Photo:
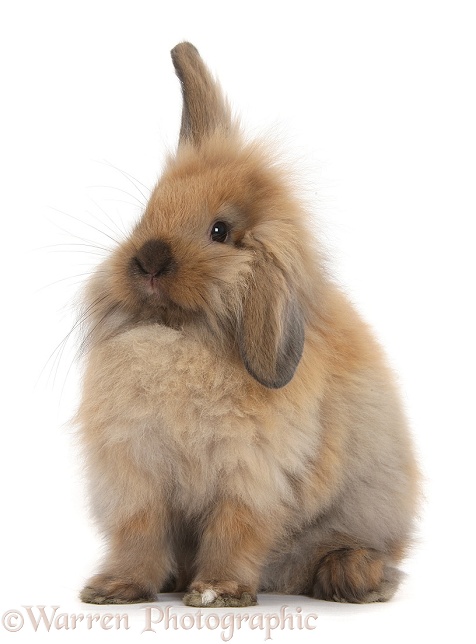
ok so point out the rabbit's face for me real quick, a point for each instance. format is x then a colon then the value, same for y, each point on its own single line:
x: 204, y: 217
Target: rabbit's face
x: 195, y: 244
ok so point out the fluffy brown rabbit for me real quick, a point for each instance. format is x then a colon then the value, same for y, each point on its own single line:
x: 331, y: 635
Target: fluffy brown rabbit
x: 241, y: 428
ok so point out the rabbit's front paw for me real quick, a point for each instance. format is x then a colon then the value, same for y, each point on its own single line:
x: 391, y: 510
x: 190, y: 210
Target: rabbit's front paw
x: 219, y: 594
x: 108, y: 589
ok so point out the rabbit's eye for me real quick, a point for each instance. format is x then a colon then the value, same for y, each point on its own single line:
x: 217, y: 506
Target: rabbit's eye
x: 219, y: 232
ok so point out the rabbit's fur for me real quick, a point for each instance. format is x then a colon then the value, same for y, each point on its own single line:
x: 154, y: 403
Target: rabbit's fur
x: 241, y: 428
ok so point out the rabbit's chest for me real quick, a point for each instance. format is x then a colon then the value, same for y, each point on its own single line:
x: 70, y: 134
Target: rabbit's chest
x: 195, y: 422
x: 208, y: 436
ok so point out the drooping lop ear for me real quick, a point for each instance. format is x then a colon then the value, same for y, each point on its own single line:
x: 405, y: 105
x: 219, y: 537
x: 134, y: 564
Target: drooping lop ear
x: 271, y: 328
x: 204, y: 107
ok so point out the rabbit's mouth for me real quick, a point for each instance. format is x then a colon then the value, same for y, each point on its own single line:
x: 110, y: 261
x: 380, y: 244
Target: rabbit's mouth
x: 158, y: 298
x: 152, y: 285
x: 152, y: 290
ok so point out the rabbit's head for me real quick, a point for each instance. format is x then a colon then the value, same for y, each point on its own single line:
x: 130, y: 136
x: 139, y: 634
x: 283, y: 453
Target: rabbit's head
x: 222, y: 245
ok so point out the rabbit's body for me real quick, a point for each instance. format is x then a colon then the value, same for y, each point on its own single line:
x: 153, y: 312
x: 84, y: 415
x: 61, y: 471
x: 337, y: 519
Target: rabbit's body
x: 237, y: 441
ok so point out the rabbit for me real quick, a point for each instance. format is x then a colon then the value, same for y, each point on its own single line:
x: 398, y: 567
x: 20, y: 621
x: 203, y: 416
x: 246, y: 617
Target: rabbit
x: 242, y: 431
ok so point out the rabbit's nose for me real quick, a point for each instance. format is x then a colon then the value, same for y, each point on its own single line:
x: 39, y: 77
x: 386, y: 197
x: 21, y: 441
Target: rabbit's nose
x: 154, y: 258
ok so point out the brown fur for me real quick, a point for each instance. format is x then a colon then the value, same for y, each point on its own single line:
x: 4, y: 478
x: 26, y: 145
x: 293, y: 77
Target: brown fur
x: 350, y: 574
x: 241, y: 428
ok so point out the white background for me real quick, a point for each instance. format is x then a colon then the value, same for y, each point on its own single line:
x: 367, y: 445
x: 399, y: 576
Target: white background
x: 376, y: 103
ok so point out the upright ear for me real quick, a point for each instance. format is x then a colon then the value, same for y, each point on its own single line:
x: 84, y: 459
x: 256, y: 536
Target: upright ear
x: 271, y: 328
x: 204, y: 107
